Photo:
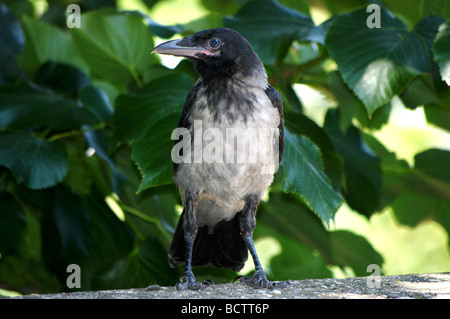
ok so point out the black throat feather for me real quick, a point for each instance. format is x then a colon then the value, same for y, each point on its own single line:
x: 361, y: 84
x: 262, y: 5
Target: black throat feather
x: 228, y: 99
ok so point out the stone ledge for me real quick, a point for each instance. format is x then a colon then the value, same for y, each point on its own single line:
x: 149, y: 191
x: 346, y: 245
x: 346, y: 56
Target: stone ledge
x: 422, y: 286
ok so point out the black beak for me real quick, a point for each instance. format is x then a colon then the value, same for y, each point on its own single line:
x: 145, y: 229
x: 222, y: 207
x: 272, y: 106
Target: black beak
x: 184, y: 47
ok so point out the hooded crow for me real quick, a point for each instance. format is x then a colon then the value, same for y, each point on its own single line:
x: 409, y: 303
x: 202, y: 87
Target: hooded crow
x: 231, y: 133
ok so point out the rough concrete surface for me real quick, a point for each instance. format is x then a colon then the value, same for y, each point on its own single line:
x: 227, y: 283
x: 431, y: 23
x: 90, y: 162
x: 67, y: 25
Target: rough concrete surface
x: 422, y: 286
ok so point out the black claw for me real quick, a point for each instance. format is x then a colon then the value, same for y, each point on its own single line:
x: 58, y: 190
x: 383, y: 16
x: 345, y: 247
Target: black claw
x: 259, y: 280
x: 189, y: 282
x: 208, y: 282
x: 180, y: 286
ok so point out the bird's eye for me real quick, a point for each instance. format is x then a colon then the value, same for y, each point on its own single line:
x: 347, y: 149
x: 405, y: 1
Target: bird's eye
x: 215, y: 42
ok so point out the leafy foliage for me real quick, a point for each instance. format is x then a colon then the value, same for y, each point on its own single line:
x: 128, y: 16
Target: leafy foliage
x: 441, y: 49
x: 35, y: 162
x: 86, y: 116
x: 304, y: 175
x: 378, y: 64
x: 271, y: 27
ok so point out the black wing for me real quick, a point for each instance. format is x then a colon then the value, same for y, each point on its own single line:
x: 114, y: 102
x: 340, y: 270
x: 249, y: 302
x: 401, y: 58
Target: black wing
x: 275, y: 98
x: 184, y: 121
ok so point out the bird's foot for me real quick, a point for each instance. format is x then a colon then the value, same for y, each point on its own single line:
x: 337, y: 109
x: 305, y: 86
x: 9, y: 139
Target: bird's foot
x: 259, y: 280
x: 189, y: 282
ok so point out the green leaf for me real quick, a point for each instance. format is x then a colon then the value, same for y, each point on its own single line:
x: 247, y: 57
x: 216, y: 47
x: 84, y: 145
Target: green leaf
x: 420, y: 91
x: 80, y: 174
x: 110, y: 239
x: 12, y: 37
x: 44, y: 43
x: 157, y: 203
x: 116, y: 46
x: 83, y: 231
x: 304, y: 175
x: 26, y: 105
x: 355, y: 251
x: 12, y: 40
x: 409, y: 10
x: 435, y: 7
x: 439, y: 116
x: 349, y: 104
x: 63, y: 78
x: 32, y: 161
x: 296, y: 260
x: 97, y: 102
x: 362, y: 167
x: 378, y: 63
x: 136, y: 112
x: 65, y: 233
x: 298, y: 5
x: 435, y: 164
x: 429, y: 178
x: 287, y: 214
x: 12, y: 223
x: 392, y: 169
x: 420, y: 193
x: 65, y: 228
x: 411, y: 208
x: 208, y: 21
x: 333, y: 164
x: 162, y: 31
x: 271, y: 27
x: 291, y: 218
x: 99, y: 140
x: 146, y: 265
x: 351, y: 107
x: 337, y: 7
x: 222, y: 7
x: 156, y: 167
x: 441, y: 50
x: 25, y: 271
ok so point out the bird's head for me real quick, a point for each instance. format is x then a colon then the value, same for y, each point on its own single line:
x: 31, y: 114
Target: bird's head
x: 216, y: 52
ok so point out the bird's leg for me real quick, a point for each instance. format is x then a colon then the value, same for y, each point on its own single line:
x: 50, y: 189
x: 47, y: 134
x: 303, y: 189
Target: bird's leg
x: 190, y: 231
x: 247, y: 225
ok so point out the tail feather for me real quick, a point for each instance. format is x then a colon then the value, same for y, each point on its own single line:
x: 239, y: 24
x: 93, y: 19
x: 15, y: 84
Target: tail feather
x: 224, y: 248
